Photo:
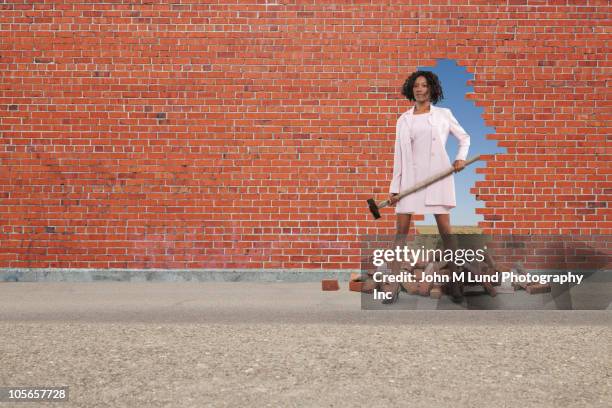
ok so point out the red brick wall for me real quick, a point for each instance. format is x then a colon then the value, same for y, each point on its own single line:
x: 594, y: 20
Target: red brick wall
x: 250, y: 135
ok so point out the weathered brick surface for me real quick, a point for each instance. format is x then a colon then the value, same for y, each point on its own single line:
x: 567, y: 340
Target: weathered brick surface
x: 356, y: 286
x: 413, y: 287
x: 369, y: 286
x: 243, y: 134
x: 537, y: 288
x: 425, y: 287
x: 330, y: 284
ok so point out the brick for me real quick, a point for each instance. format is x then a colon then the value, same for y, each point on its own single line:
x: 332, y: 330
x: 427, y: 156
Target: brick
x: 356, y: 286
x: 537, y: 288
x: 425, y: 287
x: 444, y: 271
x: 519, y: 285
x: 330, y: 284
x: 488, y: 286
x: 406, y: 267
x: 413, y: 287
x: 369, y: 285
x: 436, y: 292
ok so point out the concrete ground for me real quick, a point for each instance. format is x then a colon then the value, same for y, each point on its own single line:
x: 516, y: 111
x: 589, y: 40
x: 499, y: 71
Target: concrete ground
x: 290, y: 344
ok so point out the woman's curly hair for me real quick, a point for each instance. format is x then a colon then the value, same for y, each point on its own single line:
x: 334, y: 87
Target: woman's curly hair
x: 435, y: 89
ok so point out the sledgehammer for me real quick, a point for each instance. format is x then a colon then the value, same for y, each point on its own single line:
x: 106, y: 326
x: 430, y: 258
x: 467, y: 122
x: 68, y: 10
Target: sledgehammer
x: 375, y: 208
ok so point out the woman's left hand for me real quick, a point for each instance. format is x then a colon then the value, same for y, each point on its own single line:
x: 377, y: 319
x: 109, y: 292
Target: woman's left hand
x: 459, y: 165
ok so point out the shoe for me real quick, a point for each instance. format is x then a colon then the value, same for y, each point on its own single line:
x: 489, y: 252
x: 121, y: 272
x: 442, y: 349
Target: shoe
x: 455, y: 289
x: 456, y: 292
x: 395, y: 296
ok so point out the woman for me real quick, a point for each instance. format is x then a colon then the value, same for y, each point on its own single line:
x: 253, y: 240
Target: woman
x: 421, y: 134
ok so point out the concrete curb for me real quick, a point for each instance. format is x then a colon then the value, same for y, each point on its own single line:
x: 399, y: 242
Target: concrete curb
x: 206, y: 275
x: 171, y: 275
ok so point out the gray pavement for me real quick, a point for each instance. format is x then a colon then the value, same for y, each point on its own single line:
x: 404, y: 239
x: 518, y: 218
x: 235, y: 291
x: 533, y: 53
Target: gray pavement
x: 290, y: 344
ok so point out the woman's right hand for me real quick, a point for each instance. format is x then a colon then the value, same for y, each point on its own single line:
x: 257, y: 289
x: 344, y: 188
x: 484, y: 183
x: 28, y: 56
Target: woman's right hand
x: 393, y: 199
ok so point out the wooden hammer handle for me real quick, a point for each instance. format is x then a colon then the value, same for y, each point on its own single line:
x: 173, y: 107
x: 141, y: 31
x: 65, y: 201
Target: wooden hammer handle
x: 428, y: 181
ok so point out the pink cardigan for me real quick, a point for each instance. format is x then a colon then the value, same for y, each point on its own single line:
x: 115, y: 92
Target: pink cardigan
x: 442, y: 123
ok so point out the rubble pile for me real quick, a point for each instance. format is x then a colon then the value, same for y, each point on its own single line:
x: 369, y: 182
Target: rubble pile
x: 485, y: 276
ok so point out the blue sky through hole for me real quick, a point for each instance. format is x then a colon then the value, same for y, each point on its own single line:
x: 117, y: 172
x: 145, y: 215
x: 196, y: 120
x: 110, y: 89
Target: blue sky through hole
x: 453, y: 79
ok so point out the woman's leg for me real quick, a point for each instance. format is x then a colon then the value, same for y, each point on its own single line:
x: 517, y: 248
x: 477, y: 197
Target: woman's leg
x: 402, y: 228
x: 444, y: 228
x: 443, y: 221
x: 401, y: 234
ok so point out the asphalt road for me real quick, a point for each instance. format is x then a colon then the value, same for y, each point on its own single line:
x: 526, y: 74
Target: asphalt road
x: 290, y: 344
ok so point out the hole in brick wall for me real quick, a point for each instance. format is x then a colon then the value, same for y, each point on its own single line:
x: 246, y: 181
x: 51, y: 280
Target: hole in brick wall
x: 454, y: 81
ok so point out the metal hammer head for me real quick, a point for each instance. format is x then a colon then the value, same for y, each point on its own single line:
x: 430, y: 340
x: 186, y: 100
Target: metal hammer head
x: 373, y: 208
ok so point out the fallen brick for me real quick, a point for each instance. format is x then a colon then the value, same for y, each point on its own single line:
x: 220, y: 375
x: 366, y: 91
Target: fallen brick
x: 516, y: 286
x: 413, y: 287
x: 520, y: 285
x: 537, y: 288
x: 444, y: 272
x: 356, y: 286
x: 368, y: 286
x: 330, y: 284
x: 490, y: 289
x: 425, y: 287
x: 436, y: 292
x: 497, y: 275
x: 405, y: 266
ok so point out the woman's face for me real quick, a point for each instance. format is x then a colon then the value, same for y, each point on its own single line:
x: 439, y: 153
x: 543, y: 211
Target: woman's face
x: 421, y: 89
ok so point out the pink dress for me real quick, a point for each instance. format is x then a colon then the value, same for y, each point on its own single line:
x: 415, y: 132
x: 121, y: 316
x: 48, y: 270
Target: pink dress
x: 421, y: 147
